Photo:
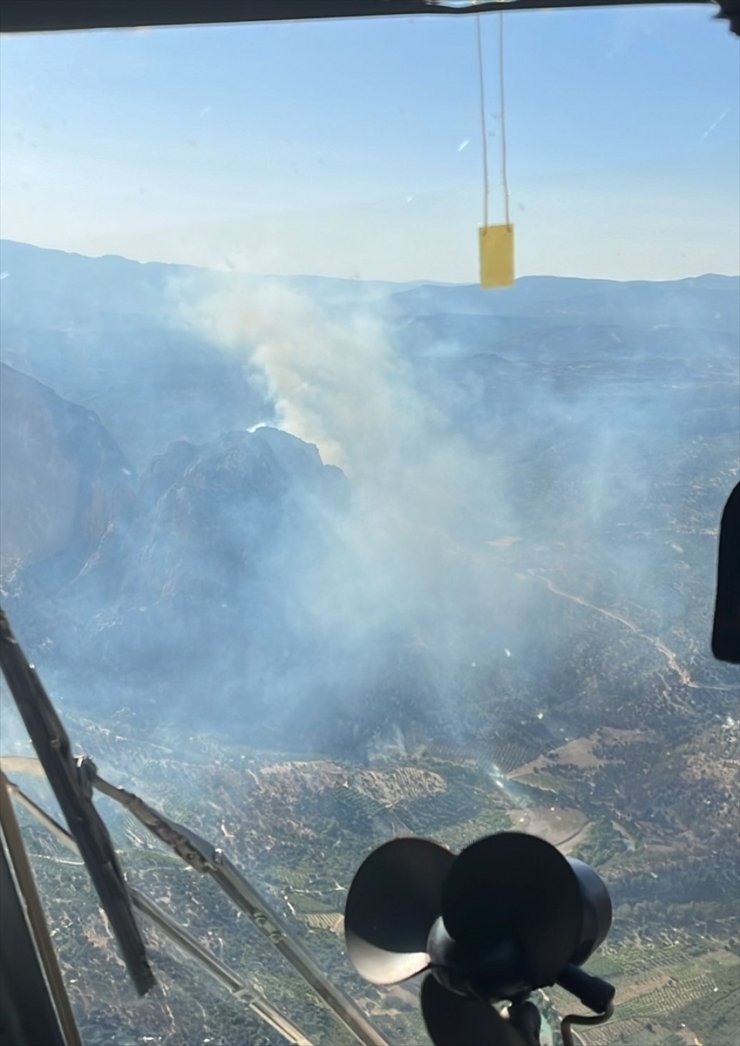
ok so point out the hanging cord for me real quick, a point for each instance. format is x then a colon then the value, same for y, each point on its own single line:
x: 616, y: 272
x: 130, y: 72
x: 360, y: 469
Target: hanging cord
x: 504, y: 174
x: 484, y: 135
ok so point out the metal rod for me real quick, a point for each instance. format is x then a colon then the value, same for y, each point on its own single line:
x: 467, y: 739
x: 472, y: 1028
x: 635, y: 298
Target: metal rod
x: 36, y: 917
x: 205, y: 857
x: 73, y: 792
x: 237, y: 985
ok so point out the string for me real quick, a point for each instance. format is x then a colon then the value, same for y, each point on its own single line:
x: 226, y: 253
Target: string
x: 484, y: 136
x: 504, y: 175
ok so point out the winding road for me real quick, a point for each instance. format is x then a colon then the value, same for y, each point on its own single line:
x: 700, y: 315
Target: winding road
x: 670, y: 656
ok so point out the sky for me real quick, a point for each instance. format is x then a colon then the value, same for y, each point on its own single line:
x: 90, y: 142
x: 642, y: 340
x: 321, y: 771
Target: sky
x: 353, y: 148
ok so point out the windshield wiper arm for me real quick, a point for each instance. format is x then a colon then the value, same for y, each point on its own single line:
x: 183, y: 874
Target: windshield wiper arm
x: 205, y: 857
x: 239, y: 986
x: 74, y: 795
x: 72, y: 781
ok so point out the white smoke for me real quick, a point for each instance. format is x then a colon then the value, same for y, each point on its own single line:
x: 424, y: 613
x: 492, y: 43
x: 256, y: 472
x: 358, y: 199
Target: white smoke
x: 334, y: 382
x: 337, y: 381
x: 418, y: 489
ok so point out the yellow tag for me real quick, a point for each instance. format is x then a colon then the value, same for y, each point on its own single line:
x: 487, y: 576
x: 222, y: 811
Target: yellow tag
x: 496, y: 255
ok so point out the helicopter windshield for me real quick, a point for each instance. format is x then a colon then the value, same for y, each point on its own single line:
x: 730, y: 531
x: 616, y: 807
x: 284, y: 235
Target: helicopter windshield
x: 315, y: 542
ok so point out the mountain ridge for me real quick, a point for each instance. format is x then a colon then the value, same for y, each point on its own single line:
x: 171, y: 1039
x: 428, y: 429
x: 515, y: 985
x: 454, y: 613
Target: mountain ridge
x: 157, y: 266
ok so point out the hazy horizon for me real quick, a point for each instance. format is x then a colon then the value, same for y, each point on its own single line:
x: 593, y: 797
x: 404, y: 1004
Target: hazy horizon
x: 357, y: 279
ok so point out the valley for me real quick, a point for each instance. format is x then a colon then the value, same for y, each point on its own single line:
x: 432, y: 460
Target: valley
x: 396, y: 560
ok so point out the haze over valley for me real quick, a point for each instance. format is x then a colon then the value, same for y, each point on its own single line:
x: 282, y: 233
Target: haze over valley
x: 311, y: 562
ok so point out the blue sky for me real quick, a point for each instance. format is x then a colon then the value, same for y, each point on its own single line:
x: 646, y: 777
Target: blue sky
x: 353, y: 148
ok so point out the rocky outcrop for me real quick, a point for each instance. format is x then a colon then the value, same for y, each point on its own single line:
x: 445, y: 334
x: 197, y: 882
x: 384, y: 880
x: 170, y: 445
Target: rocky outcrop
x: 63, y: 479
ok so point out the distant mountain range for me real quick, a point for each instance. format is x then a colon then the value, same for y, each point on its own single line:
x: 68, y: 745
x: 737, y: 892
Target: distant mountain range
x: 107, y: 333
